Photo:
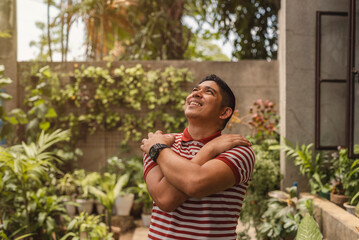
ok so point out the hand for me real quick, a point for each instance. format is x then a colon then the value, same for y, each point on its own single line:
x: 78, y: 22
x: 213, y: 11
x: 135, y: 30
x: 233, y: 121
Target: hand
x: 225, y: 142
x: 157, y: 137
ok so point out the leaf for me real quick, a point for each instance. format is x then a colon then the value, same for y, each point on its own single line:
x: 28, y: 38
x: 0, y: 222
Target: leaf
x: 12, y: 120
x: 308, y: 229
x: 354, y: 198
x: 42, y: 217
x: 122, y: 181
x: 5, y: 96
x: 5, y: 81
x: 51, y: 113
x: 44, y: 125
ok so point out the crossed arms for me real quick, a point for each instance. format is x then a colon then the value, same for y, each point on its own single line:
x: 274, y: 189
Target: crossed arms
x: 175, y: 178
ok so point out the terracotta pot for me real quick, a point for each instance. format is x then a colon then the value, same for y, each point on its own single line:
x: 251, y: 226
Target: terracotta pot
x: 338, y: 199
x: 349, y: 208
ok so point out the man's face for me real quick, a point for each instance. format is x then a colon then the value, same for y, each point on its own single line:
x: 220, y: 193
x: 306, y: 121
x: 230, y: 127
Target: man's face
x: 204, y: 102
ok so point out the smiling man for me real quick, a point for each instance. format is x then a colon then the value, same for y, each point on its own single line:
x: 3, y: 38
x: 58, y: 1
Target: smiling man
x: 198, y: 178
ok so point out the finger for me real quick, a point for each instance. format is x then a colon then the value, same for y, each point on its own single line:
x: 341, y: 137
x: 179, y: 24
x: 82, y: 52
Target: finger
x: 158, y: 132
x: 150, y: 134
x: 143, y: 141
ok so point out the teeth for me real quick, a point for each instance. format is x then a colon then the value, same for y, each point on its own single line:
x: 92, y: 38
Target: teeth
x: 195, y: 103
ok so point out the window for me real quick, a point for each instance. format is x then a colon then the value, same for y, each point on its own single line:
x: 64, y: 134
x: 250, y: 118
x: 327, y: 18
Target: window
x: 353, y: 80
x: 331, y: 70
x: 337, y: 80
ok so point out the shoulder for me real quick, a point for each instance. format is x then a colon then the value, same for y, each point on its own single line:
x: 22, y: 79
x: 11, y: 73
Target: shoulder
x: 239, y: 153
x: 241, y: 160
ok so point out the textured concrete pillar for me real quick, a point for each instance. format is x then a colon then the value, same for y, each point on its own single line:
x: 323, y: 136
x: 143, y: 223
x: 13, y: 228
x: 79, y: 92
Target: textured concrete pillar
x: 297, y: 29
x: 8, y: 47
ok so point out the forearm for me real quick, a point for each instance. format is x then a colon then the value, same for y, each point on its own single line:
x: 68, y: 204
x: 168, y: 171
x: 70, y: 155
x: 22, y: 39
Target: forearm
x: 165, y: 195
x: 180, y: 172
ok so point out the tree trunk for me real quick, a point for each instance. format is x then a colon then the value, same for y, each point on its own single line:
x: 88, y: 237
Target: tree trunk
x: 48, y: 29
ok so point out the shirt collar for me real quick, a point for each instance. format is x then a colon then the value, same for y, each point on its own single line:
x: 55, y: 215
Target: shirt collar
x: 186, y: 137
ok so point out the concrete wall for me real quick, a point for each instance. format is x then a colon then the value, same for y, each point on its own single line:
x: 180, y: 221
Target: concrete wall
x: 297, y: 26
x: 334, y: 222
x: 250, y: 80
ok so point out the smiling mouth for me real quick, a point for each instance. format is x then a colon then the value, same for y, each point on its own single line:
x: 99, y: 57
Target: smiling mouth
x: 194, y: 103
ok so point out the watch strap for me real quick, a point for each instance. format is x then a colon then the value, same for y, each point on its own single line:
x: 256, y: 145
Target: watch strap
x: 156, y: 149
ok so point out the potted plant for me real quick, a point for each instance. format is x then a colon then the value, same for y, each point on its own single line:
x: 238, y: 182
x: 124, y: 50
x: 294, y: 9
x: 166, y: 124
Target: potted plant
x: 283, y: 215
x: 345, y: 183
x: 83, y: 183
x: 132, y: 167
x: 110, y: 187
x: 353, y: 188
x: 145, y: 199
x: 124, y: 200
x: 85, y: 226
x: 319, y: 170
x: 67, y: 187
x: 28, y: 201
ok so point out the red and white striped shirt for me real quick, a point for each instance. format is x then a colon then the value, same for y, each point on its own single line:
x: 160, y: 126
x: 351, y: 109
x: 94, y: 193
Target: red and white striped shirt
x: 211, y: 217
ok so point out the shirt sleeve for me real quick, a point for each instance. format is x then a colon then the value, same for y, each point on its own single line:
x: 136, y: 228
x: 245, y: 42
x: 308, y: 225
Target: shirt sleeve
x: 241, y: 160
x: 148, y: 164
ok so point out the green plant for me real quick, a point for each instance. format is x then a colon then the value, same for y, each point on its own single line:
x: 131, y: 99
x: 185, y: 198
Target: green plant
x: 262, y: 119
x: 84, y: 182
x: 12, y: 118
x: 345, y: 175
x: 143, y: 198
x: 28, y: 198
x: 43, y: 86
x: 128, y: 100
x: 354, y: 194
x: 283, y: 215
x: 266, y: 177
x: 319, y: 170
x: 110, y: 187
x: 67, y: 185
x: 86, y: 226
x: 308, y: 229
x: 132, y: 166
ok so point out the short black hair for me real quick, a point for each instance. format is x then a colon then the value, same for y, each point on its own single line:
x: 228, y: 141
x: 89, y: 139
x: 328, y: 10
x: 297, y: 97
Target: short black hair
x: 228, y: 98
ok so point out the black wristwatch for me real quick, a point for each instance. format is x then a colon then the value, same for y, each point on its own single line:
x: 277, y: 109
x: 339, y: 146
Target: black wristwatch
x: 155, y: 150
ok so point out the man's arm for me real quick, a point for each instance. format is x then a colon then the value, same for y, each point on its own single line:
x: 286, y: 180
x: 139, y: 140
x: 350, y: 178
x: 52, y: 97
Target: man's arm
x: 166, y: 196
x: 195, y: 180
x: 178, y: 188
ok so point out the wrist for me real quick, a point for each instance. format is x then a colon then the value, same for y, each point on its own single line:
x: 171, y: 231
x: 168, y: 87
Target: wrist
x: 156, y: 149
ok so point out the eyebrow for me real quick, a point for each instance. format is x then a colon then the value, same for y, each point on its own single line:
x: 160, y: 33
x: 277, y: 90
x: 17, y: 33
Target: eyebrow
x: 207, y: 87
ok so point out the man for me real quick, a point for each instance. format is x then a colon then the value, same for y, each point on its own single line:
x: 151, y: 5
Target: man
x: 198, y: 178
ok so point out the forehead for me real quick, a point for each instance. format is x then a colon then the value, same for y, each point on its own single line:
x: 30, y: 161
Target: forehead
x: 209, y: 84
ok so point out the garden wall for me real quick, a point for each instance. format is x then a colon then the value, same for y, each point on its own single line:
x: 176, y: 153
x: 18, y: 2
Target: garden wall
x: 250, y: 80
x: 334, y: 222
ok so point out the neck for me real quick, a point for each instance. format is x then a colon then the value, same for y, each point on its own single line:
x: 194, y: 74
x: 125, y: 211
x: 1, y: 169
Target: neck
x: 200, y: 131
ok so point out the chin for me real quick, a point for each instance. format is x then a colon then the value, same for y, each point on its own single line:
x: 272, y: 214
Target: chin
x: 191, y: 114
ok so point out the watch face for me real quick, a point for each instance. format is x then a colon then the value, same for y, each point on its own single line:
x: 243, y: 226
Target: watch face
x: 153, y: 152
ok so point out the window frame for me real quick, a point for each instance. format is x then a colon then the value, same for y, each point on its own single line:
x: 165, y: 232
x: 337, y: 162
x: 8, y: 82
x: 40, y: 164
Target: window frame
x: 319, y: 80
x: 351, y: 74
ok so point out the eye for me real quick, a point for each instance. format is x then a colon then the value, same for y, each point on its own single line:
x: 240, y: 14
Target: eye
x: 194, y: 89
x: 209, y: 91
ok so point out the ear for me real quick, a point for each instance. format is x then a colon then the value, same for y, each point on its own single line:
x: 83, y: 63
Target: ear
x: 226, y: 113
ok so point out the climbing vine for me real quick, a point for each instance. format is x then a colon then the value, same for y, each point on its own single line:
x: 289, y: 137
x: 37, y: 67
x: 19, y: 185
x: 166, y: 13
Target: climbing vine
x: 131, y: 100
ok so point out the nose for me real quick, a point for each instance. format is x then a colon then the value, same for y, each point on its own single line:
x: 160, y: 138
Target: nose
x: 197, y: 93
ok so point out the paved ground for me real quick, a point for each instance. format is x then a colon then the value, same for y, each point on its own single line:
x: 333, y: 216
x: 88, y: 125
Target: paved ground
x: 140, y: 233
